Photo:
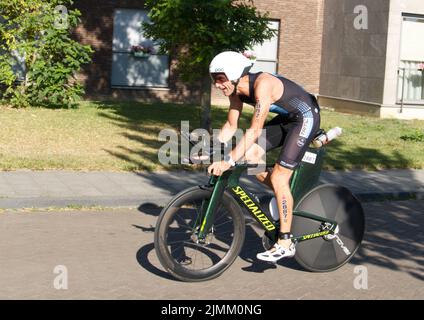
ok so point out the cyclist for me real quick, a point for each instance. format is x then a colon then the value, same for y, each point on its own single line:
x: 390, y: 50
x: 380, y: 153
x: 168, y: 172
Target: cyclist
x: 293, y: 128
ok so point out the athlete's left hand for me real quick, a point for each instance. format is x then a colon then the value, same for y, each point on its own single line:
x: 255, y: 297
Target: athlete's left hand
x: 218, y: 168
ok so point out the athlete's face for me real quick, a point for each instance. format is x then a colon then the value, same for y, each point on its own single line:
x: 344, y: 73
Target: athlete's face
x: 222, y: 83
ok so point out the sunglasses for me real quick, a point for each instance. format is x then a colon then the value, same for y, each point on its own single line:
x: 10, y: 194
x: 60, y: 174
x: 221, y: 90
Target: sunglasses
x: 219, y: 78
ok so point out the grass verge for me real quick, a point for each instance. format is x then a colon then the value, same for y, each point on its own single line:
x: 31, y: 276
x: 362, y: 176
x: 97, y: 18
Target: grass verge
x: 123, y: 136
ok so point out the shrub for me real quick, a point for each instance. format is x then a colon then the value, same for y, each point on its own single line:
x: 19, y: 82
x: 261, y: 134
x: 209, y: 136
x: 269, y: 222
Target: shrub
x: 36, y: 36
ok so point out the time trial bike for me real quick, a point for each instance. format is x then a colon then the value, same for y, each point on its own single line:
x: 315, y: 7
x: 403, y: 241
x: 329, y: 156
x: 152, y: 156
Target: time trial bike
x: 201, y: 231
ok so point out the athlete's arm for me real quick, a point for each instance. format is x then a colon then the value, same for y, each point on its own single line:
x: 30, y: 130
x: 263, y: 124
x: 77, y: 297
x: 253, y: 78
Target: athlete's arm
x: 263, y: 101
x: 231, y: 125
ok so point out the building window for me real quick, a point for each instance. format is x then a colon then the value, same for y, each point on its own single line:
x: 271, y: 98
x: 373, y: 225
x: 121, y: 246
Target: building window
x: 133, y: 71
x: 267, y: 53
x: 411, y: 74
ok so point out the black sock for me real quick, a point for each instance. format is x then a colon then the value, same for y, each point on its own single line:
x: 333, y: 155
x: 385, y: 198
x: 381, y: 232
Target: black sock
x: 285, y: 236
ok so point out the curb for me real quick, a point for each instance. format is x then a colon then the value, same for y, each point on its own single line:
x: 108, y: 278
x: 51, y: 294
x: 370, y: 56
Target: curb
x: 40, y: 203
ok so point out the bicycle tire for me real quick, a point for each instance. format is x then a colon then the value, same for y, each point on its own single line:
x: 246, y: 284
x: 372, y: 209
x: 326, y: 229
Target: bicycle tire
x: 336, y: 203
x: 170, y: 256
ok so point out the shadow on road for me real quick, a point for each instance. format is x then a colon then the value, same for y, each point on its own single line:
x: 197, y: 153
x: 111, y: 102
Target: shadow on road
x: 143, y: 253
x: 393, y: 240
x: 394, y: 237
x: 251, y: 246
x: 142, y: 258
x: 150, y: 208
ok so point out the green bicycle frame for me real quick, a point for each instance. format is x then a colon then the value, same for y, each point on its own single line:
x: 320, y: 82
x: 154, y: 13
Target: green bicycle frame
x: 304, y: 179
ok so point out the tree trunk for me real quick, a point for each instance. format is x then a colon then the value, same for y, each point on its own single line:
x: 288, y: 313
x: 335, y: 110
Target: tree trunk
x: 205, y: 103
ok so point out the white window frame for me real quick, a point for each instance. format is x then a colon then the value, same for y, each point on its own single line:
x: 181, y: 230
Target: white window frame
x: 126, y: 50
x: 408, y: 69
x: 277, y: 53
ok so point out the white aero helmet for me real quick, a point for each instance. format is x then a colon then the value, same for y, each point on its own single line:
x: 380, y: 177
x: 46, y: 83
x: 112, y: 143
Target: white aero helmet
x: 233, y: 64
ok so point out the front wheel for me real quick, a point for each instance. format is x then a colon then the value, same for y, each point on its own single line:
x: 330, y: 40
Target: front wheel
x: 330, y: 252
x: 177, y: 246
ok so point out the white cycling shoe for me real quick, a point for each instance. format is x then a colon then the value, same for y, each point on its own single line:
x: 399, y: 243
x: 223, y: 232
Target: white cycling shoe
x: 276, y: 253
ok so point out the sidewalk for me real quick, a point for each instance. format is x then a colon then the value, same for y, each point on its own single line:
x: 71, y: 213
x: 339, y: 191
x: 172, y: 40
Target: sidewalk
x: 40, y: 189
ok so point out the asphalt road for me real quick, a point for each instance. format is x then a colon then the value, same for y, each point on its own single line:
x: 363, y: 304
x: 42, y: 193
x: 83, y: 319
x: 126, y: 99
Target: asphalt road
x: 110, y: 255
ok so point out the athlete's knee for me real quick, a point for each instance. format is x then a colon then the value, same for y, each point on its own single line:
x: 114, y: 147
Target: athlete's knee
x: 280, y: 177
x: 261, y: 176
x: 254, y: 154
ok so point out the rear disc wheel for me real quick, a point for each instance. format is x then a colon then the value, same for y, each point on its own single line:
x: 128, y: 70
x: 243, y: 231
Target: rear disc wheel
x: 336, y: 203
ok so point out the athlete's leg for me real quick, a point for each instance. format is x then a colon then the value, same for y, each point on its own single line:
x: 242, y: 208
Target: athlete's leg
x: 297, y: 135
x: 265, y: 177
x: 280, y: 181
x: 274, y: 138
x: 254, y: 155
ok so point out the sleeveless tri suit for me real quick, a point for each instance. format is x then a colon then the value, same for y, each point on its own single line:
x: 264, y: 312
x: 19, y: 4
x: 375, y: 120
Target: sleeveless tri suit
x: 296, y: 123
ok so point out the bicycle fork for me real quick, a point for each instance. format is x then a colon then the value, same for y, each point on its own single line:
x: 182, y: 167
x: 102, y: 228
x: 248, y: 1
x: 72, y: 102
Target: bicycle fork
x: 208, y: 208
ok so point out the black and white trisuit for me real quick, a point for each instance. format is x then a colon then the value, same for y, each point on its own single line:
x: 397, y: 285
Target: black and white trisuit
x: 296, y: 123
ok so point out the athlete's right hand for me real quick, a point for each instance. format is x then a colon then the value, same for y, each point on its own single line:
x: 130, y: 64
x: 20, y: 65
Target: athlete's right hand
x: 218, y: 168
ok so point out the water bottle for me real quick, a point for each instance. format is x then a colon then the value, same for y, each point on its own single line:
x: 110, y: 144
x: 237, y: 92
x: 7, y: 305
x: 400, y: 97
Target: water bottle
x: 333, y: 133
x: 325, y: 138
x: 273, y: 209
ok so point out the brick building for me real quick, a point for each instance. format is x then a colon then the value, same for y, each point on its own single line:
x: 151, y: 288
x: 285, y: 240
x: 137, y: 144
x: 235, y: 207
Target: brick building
x: 370, y: 70
x: 111, y: 28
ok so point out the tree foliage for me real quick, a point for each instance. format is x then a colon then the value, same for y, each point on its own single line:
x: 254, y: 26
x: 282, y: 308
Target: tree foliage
x: 197, y: 30
x: 36, y: 34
